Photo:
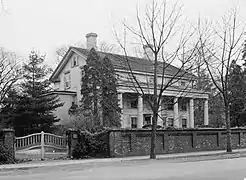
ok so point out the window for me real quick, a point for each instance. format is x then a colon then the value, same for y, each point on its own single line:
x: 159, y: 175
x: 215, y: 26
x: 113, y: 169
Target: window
x: 183, y: 105
x: 67, y: 80
x: 133, y: 122
x: 182, y: 83
x: 74, y: 61
x: 150, y: 80
x: 164, y: 121
x: 134, y: 104
x: 170, y: 122
x: 184, y: 123
x: 147, y: 119
x: 168, y: 103
x: 82, y: 72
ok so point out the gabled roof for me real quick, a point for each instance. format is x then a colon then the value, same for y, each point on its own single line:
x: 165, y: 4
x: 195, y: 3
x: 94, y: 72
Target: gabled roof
x: 120, y: 62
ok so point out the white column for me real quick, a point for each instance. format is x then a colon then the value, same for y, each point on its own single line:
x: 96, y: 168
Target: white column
x: 206, y: 112
x: 159, y: 120
x: 176, y: 112
x: 120, y: 98
x: 191, y: 119
x: 140, y: 112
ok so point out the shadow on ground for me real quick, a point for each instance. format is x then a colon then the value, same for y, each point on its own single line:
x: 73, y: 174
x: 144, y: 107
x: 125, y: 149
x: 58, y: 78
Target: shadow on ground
x: 35, y: 155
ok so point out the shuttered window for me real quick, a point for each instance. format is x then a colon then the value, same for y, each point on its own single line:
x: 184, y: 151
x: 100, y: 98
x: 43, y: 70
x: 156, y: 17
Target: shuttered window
x: 67, y: 80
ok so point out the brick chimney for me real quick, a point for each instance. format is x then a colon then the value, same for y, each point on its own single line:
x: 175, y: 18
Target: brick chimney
x: 91, y: 41
x: 148, y: 53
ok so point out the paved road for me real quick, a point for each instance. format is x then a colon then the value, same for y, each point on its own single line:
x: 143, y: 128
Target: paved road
x: 179, y: 169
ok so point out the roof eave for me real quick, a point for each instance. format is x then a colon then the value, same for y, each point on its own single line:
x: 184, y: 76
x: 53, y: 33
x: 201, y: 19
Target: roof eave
x: 62, y: 63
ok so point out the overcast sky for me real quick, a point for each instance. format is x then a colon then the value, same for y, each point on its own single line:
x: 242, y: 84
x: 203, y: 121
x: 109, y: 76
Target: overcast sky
x: 45, y: 25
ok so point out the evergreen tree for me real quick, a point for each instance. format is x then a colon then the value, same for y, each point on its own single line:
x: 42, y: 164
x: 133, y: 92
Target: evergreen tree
x: 216, y: 117
x: 6, y: 112
x: 244, y: 53
x: 109, y: 98
x: 32, y: 108
x: 216, y: 110
x: 99, y: 94
x: 90, y: 88
x: 203, y: 84
x: 237, y: 93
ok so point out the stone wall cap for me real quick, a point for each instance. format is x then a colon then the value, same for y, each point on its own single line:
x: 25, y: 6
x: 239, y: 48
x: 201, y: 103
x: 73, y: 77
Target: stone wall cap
x: 175, y: 130
x: 7, y: 130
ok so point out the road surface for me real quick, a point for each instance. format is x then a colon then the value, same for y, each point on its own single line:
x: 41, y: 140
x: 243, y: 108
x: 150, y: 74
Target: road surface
x: 188, y: 169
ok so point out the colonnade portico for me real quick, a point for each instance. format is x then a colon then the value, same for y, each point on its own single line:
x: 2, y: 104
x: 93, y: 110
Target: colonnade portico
x: 140, y: 112
x: 176, y: 115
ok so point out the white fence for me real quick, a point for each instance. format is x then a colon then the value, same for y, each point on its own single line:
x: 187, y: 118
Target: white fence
x: 41, y: 140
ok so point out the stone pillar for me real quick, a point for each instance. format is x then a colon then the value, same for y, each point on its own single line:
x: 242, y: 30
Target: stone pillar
x: 72, y: 141
x: 191, y: 119
x: 7, y: 138
x: 140, y: 112
x: 120, y: 98
x: 206, y: 112
x: 176, y: 112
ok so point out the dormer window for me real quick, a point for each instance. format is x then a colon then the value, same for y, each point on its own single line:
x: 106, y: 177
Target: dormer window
x: 74, y: 61
x: 182, y: 83
x: 151, y: 80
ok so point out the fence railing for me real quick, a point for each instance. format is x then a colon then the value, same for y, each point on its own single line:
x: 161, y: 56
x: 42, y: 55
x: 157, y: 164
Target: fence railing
x: 41, y: 140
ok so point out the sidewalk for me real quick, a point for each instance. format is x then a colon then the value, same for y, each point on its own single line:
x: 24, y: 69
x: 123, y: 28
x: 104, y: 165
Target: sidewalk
x: 84, y: 161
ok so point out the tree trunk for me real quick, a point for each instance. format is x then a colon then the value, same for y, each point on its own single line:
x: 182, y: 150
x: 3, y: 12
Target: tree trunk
x: 228, y: 129
x: 155, y: 113
x: 153, y: 136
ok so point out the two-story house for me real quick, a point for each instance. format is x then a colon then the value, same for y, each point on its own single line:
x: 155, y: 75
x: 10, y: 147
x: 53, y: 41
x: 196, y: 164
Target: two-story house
x: 177, y: 107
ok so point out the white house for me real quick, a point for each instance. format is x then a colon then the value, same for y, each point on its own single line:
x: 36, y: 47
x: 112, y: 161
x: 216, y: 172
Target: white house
x: 177, y: 107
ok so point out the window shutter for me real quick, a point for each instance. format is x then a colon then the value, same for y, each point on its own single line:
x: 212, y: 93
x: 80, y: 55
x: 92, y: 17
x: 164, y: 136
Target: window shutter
x: 69, y: 79
x: 129, y: 122
x: 65, y: 81
x: 77, y: 60
x: 128, y: 103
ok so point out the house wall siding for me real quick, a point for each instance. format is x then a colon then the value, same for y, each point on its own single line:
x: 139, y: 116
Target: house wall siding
x: 75, y: 74
x: 62, y: 112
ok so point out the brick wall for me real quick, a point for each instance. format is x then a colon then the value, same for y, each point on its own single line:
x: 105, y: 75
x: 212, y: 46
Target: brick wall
x: 137, y: 142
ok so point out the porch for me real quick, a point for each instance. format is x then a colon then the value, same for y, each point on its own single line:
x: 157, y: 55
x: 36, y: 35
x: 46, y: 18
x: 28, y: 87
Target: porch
x: 174, y: 111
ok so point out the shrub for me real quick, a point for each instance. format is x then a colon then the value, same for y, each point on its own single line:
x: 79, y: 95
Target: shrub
x: 5, y: 155
x: 58, y: 130
x: 91, y: 145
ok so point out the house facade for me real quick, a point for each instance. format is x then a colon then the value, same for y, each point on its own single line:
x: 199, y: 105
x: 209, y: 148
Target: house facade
x: 177, y: 104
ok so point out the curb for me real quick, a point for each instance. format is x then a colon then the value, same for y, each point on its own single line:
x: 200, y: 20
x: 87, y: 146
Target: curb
x: 110, y: 160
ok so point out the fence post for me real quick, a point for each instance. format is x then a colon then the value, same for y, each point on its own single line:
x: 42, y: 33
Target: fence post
x: 42, y: 146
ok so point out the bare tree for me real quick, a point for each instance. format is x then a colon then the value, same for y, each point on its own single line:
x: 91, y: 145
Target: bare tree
x: 157, y: 30
x: 10, y: 73
x: 220, y: 44
x: 3, y: 7
x: 61, y: 51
